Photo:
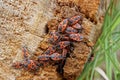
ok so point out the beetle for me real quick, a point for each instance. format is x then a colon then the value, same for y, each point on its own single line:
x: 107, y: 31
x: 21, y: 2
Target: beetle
x: 54, y: 37
x: 50, y: 50
x: 62, y: 26
x: 64, y: 38
x: 73, y: 20
x: 63, y: 44
x: 30, y: 65
x: 76, y: 37
x: 56, y: 56
x: 43, y: 57
x: 70, y: 30
x: 77, y: 26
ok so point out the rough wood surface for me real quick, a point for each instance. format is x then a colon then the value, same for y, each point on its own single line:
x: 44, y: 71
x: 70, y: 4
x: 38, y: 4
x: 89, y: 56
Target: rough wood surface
x: 22, y: 23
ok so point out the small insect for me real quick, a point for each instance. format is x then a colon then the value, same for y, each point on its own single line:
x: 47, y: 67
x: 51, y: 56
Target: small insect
x: 63, y: 44
x: 54, y: 37
x: 50, y: 50
x: 30, y: 65
x: 43, y: 57
x: 64, y: 38
x: 76, y: 37
x: 62, y: 26
x: 77, y: 26
x: 56, y: 56
x: 74, y: 20
x: 70, y: 30
x: 17, y: 65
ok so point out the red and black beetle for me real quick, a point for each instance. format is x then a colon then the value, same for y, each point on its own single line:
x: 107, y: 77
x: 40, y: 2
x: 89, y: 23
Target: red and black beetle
x: 50, y: 50
x: 74, y: 20
x: 70, y: 30
x: 77, y: 26
x: 56, y: 56
x: 63, y: 44
x: 30, y: 65
x: 54, y: 37
x: 43, y: 57
x: 62, y: 26
x: 76, y: 37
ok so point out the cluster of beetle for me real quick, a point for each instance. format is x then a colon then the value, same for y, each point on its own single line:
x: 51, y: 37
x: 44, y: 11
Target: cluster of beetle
x: 69, y: 31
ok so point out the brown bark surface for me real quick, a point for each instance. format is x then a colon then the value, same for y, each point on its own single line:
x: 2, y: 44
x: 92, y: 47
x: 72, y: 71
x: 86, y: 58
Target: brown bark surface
x: 22, y: 23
